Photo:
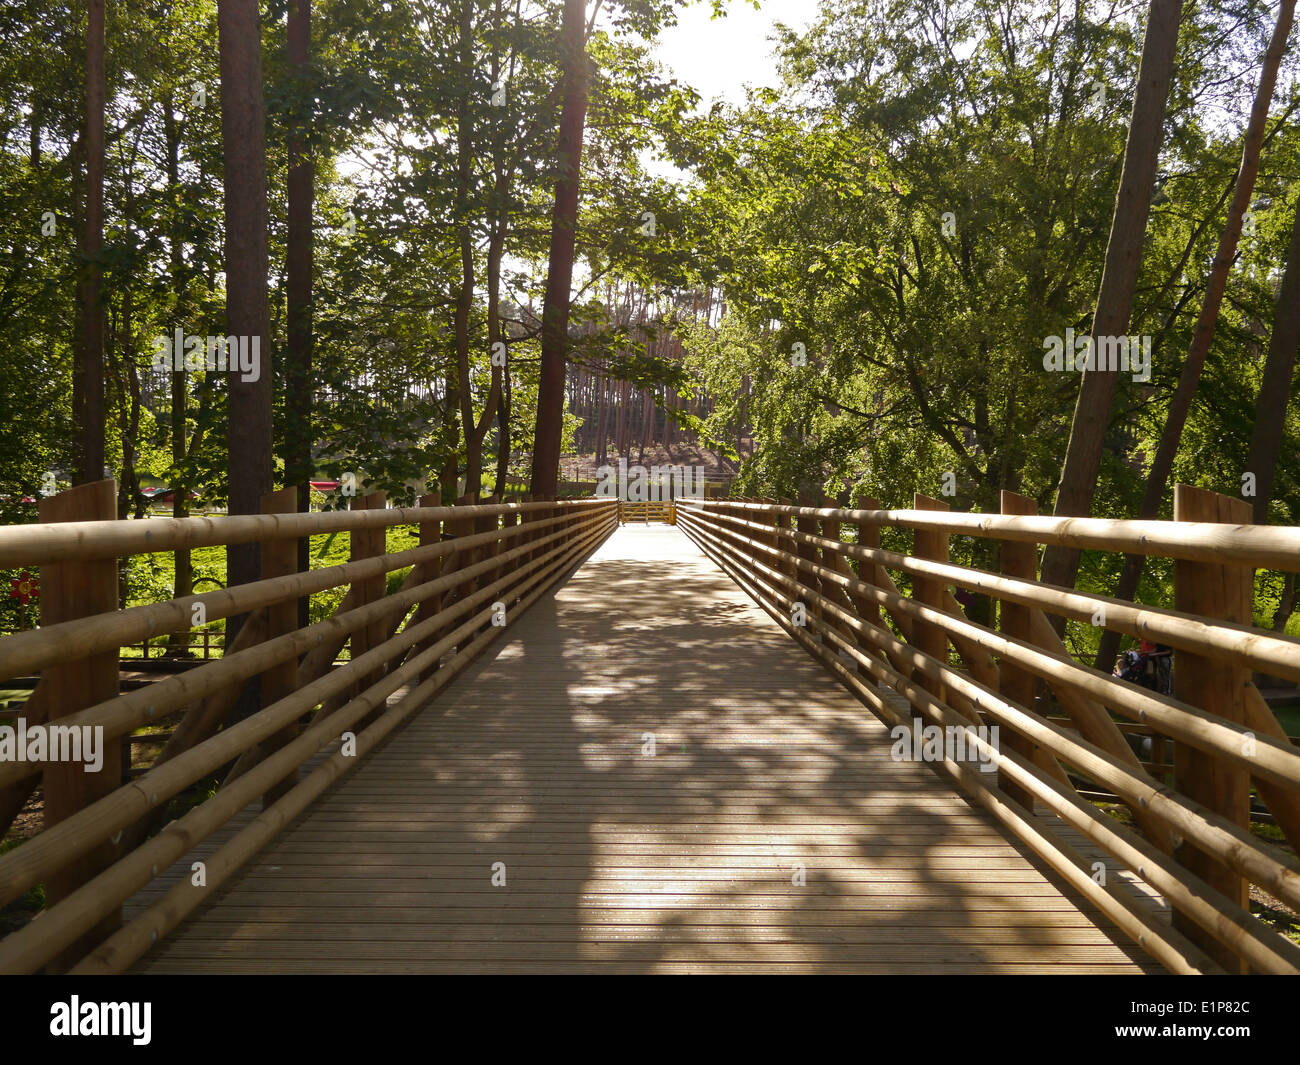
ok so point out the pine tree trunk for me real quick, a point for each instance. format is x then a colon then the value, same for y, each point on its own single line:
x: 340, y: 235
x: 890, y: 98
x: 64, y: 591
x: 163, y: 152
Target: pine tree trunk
x: 1275, y: 389
x: 88, y: 373
x: 543, y: 482
x: 298, y: 285
x: 243, y: 123
x: 182, y: 565
x: 1286, y: 604
x: 1181, y: 404
x: 1092, y: 411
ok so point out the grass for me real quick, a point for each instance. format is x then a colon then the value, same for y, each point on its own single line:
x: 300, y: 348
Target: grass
x: 151, y: 581
x: 14, y: 695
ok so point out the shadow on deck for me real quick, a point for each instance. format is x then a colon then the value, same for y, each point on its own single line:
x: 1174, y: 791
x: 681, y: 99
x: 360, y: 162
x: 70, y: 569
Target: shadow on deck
x: 619, y: 860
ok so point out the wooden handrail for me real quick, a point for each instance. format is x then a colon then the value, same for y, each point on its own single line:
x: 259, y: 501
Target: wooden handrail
x: 775, y: 553
x: 1261, y: 546
x: 502, y: 564
x: 25, y: 652
x: 81, y: 541
x: 1265, y: 652
x: 130, y: 942
x: 1173, y: 951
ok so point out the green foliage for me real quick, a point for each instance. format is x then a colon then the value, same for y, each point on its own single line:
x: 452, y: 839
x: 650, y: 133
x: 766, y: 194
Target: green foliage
x: 893, y: 233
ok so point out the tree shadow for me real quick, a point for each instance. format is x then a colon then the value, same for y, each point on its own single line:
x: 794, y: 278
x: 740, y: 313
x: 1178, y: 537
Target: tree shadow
x: 646, y: 775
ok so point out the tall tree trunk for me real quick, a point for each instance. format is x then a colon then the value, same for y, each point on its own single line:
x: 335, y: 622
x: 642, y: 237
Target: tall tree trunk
x: 88, y: 373
x: 182, y: 564
x: 300, y: 192
x: 474, y: 431
x: 1092, y: 411
x: 647, y: 424
x: 1275, y: 388
x: 465, y: 297
x: 1181, y: 404
x: 499, y: 212
x: 503, y: 432
x: 602, y: 418
x: 543, y: 481
x: 624, y: 396
x: 449, y: 477
x: 248, y: 433
x: 496, y: 335
x: 129, y: 499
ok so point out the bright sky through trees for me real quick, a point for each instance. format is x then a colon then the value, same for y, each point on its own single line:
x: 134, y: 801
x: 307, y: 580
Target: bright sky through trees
x: 718, y: 57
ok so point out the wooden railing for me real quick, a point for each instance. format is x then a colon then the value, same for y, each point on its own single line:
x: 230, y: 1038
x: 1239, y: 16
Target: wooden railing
x: 646, y: 511
x: 1189, y: 837
x: 252, y: 719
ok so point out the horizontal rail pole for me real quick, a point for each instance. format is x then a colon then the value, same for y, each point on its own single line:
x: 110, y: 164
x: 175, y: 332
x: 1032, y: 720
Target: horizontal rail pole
x: 85, y: 540
x: 1261, y: 546
x: 31, y: 946
x: 1272, y: 760
x: 134, y: 939
x: 1213, y: 833
x: 1277, y: 656
x: 28, y: 651
x: 1169, y: 947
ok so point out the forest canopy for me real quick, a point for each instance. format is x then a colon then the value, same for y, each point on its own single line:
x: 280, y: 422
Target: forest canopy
x: 845, y: 285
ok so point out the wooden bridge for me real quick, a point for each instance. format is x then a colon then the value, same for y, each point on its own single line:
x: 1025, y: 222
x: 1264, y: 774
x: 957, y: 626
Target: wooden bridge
x: 562, y: 745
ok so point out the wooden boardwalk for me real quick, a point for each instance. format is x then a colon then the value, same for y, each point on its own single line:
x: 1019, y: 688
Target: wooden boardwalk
x: 536, y: 764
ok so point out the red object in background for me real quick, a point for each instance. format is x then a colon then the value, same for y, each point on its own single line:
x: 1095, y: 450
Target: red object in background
x: 324, y: 486
x: 24, y: 588
x: 167, y: 495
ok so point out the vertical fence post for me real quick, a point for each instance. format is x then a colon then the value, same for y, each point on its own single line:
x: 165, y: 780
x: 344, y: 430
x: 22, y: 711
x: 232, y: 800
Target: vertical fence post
x: 525, y: 536
x: 430, y: 533
x: 459, y: 559
x: 486, y: 524
x: 869, y: 536
x: 553, y: 511
x: 807, y: 552
x: 508, y: 521
x: 532, y: 537
x: 529, y: 517
x: 367, y: 543
x: 566, y: 516
x: 71, y: 590
x: 773, y: 538
x: 825, y: 556
x: 1219, y: 592
x: 280, y: 558
x: 785, y: 545
x: 726, y: 508
x: 930, y: 544
x: 1019, y: 560
x: 830, y: 559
